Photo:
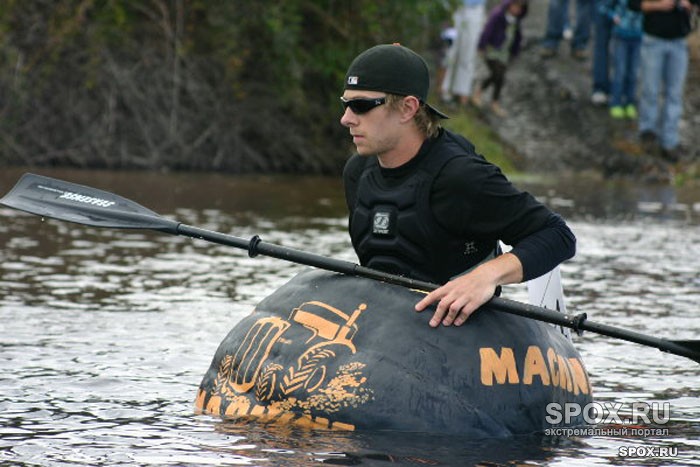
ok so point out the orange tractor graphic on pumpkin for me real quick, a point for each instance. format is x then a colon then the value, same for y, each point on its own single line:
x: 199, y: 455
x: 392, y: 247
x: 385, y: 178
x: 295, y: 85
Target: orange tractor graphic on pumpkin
x: 331, y: 332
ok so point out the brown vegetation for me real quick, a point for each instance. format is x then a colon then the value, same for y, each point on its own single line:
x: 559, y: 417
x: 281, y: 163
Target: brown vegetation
x: 241, y: 86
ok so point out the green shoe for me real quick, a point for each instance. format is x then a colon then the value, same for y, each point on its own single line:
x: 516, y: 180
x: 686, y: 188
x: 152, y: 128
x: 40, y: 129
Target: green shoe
x: 631, y: 111
x: 617, y: 112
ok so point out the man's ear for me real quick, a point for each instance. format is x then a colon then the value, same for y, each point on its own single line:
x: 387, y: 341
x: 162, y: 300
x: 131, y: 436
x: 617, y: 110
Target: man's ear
x: 409, y: 107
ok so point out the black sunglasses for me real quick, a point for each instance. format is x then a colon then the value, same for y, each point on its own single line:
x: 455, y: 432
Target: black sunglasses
x: 362, y: 105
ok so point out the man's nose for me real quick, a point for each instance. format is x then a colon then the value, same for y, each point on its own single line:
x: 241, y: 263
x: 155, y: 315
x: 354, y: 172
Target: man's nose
x: 348, y: 118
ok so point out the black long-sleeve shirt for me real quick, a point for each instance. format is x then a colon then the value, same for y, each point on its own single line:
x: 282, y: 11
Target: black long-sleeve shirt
x: 473, y: 199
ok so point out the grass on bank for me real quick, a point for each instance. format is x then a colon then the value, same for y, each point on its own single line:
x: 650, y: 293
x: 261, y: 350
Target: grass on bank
x: 469, y: 124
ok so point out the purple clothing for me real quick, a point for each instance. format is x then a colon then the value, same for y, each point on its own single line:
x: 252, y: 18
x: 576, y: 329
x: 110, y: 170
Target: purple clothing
x: 495, y: 31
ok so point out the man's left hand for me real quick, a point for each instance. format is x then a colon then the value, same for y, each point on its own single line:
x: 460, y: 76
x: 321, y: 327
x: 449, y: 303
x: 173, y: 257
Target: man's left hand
x: 461, y: 297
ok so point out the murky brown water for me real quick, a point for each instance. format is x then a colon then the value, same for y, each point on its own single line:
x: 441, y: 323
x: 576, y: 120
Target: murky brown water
x: 106, y: 334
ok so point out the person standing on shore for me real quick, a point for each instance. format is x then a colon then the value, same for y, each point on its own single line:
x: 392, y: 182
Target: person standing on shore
x: 663, y: 69
x: 556, y: 20
x: 627, y: 39
x: 602, y: 31
x: 462, y: 58
x: 500, y: 44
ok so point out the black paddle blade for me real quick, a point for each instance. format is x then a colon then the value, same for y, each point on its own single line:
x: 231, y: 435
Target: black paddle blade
x: 57, y: 199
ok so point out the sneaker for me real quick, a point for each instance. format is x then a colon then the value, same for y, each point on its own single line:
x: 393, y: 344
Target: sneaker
x: 647, y: 138
x: 617, y: 111
x: 547, y: 52
x: 672, y: 155
x: 579, y: 54
x: 599, y: 98
x: 631, y: 111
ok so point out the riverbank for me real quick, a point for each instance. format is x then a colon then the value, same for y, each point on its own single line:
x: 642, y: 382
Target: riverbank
x: 552, y: 125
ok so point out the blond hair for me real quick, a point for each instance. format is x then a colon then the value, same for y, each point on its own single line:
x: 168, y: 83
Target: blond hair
x: 427, y: 122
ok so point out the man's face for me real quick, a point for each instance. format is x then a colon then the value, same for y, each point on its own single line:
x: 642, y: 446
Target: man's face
x: 374, y: 132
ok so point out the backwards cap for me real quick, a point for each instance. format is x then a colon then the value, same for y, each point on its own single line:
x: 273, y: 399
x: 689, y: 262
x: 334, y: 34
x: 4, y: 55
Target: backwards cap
x: 391, y: 68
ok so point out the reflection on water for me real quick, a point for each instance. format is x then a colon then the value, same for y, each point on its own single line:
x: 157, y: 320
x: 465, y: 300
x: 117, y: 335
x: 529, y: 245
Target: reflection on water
x: 106, y: 334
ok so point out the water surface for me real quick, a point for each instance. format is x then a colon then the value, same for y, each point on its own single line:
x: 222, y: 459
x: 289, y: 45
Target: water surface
x: 106, y: 334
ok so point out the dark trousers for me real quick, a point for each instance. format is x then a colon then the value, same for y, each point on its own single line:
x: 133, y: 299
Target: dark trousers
x: 497, y: 77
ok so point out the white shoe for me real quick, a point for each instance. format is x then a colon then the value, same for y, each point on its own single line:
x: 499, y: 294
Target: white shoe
x: 599, y: 98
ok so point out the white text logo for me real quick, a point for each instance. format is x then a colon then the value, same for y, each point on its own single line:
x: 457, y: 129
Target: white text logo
x: 608, y: 412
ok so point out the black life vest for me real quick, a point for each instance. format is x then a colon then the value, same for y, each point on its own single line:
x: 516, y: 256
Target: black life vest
x: 393, y: 228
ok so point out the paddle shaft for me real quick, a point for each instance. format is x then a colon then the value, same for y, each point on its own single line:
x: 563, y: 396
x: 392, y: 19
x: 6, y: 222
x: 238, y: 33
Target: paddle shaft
x: 256, y: 247
x: 580, y: 323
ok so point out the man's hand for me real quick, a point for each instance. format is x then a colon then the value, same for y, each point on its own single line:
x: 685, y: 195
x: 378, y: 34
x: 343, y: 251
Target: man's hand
x: 460, y: 297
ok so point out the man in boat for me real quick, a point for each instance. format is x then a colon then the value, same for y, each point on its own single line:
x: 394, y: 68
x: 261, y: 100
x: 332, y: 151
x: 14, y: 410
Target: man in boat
x: 423, y: 203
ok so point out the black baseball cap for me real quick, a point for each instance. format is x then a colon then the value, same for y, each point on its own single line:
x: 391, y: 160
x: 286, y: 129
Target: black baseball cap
x: 391, y: 68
